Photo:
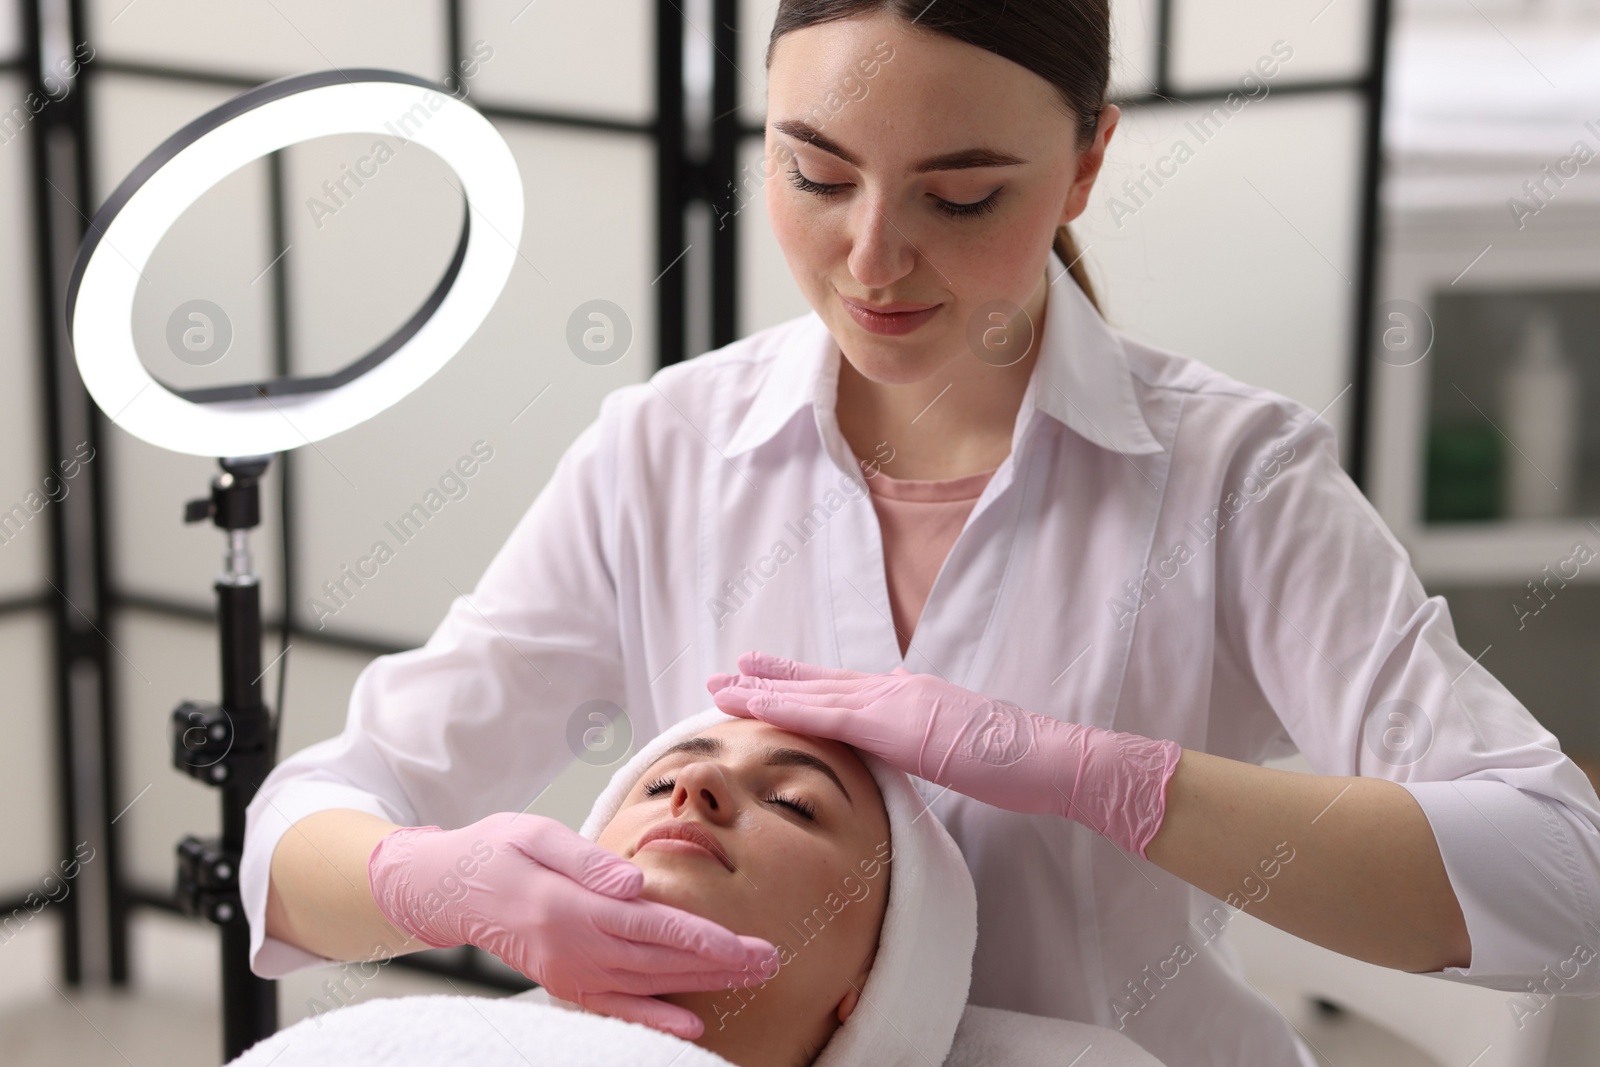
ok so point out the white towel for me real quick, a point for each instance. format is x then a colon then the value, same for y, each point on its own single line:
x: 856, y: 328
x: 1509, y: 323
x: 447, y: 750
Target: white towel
x: 528, y: 1030
x: 429, y: 1031
x: 989, y: 1036
x: 913, y: 999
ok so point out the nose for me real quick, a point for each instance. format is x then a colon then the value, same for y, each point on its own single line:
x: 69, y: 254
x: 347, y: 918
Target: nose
x: 881, y: 253
x: 701, y: 789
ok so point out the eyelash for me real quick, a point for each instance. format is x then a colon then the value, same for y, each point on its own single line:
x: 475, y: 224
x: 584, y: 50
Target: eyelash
x: 956, y: 211
x: 799, y: 805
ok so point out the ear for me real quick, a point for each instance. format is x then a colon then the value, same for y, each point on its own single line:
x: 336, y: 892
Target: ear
x: 1089, y: 165
x: 848, y: 1002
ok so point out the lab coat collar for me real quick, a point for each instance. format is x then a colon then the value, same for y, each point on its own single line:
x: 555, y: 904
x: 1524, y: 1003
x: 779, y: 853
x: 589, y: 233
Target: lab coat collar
x: 1081, y: 378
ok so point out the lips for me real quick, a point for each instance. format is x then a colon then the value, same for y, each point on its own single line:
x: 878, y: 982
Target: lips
x: 678, y: 830
x: 905, y: 319
x: 888, y: 309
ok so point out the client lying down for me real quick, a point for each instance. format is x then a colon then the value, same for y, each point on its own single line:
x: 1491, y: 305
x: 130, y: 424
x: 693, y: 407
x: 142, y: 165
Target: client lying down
x: 825, y: 852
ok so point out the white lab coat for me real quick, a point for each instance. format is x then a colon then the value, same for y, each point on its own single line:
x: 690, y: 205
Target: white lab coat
x: 1166, y: 551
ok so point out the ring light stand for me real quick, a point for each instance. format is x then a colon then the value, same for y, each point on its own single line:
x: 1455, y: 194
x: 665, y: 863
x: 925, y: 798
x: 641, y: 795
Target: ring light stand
x: 231, y: 744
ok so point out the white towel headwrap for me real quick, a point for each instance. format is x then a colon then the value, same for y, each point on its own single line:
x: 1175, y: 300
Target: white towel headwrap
x: 917, y: 989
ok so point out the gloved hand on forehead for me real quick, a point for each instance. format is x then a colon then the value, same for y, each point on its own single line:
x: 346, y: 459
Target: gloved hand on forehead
x: 990, y: 749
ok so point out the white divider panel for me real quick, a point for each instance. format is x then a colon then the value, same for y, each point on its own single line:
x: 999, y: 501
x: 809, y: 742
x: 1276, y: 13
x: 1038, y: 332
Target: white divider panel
x: 10, y: 35
x: 153, y: 551
x: 363, y: 257
x: 217, y: 252
x: 767, y: 291
x: 755, y: 29
x: 132, y: 115
x: 30, y: 482
x: 1133, y: 46
x: 587, y: 59
x: 28, y: 757
x: 1216, y: 42
x: 320, y: 680
x: 517, y: 388
x: 271, y: 38
x: 1244, y: 257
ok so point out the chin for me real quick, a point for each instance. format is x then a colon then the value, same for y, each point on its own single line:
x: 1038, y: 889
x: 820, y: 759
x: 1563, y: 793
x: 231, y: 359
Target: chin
x: 691, y: 890
x: 706, y: 897
x: 887, y: 364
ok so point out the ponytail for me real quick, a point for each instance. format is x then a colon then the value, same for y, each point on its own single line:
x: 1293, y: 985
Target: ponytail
x: 1066, y: 246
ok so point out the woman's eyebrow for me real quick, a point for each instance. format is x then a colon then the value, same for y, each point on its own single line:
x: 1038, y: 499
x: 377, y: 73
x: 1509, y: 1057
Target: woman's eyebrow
x: 705, y: 746
x: 700, y: 746
x: 966, y: 159
x: 793, y: 757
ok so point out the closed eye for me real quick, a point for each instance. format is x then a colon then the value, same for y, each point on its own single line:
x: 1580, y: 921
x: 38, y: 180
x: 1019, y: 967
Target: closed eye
x: 802, y: 807
x: 959, y: 211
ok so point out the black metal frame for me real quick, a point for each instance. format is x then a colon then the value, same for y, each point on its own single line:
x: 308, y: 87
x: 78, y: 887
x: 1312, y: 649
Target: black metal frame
x: 77, y: 611
x: 60, y: 146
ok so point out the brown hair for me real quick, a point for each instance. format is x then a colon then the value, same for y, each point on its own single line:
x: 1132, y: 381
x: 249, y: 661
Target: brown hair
x: 1065, y: 42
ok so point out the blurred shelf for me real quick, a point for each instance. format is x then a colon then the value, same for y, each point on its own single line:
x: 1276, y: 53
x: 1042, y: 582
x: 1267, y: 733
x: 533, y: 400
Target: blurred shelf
x: 1505, y: 552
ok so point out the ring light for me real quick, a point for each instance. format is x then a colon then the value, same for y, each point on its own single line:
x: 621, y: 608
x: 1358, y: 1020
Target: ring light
x: 274, y: 416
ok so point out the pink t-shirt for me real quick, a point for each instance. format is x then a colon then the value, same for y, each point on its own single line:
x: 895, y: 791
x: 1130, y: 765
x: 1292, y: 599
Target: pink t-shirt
x: 920, y: 521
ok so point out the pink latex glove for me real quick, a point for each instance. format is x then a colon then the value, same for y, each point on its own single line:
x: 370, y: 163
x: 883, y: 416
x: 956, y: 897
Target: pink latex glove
x: 560, y: 909
x: 991, y: 750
